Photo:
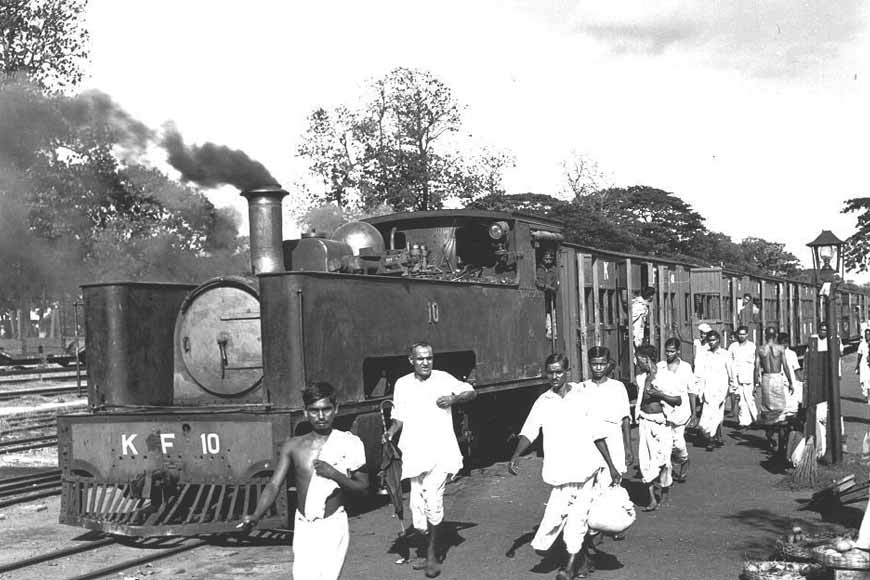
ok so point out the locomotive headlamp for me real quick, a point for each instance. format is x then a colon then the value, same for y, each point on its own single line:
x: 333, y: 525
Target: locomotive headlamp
x: 498, y: 230
x: 827, y: 256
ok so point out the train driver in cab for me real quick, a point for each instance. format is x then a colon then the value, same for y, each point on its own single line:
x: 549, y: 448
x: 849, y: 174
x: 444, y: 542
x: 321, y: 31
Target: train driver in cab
x: 326, y: 463
x: 547, y: 280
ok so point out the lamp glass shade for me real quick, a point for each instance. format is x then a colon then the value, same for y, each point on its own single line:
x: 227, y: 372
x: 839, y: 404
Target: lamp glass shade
x: 827, y: 254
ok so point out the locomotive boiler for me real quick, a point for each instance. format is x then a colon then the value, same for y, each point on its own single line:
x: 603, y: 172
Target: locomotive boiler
x: 192, y: 390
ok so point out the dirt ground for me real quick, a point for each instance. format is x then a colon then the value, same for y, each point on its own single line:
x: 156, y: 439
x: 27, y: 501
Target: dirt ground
x: 734, y: 506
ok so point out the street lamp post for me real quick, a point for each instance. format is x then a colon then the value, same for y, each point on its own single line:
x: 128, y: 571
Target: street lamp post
x: 827, y: 271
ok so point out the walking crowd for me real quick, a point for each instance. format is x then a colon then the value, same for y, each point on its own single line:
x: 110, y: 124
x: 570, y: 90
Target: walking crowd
x: 587, y: 446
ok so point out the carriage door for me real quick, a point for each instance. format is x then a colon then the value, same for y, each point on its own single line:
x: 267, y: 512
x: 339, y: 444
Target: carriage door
x: 628, y: 285
x: 605, y: 275
x: 681, y: 312
x: 708, y: 305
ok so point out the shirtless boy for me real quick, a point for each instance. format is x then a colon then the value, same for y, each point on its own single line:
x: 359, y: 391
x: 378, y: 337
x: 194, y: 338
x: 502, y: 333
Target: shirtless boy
x: 771, y: 373
x: 326, y: 463
x: 655, y: 436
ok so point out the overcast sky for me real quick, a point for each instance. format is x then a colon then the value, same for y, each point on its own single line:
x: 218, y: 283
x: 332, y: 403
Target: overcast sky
x: 755, y: 113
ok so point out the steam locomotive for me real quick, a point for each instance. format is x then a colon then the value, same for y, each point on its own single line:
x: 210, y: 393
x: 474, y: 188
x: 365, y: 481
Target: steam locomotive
x: 192, y: 389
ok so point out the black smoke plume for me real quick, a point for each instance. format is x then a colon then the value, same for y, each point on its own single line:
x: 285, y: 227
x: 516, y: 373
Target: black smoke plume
x: 211, y: 165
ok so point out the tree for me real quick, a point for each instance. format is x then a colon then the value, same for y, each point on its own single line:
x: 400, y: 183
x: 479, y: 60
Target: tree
x: 531, y: 203
x: 585, y: 179
x: 768, y: 257
x: 75, y: 205
x: 393, y: 148
x: 662, y: 223
x: 44, y: 41
x: 856, y: 251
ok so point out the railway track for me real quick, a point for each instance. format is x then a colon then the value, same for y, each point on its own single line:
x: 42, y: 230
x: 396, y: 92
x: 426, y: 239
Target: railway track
x: 28, y: 443
x: 154, y: 548
x: 25, y: 432
x: 25, y: 488
x: 65, y: 389
x: 12, y: 376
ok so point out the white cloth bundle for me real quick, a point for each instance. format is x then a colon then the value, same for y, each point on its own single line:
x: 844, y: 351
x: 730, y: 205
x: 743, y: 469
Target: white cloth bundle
x: 612, y: 511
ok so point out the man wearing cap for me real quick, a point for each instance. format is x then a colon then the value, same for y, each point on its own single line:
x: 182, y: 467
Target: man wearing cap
x: 699, y: 345
x: 700, y: 348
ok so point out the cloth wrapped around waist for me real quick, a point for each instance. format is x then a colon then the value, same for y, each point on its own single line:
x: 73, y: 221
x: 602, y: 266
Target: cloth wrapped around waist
x: 774, y: 397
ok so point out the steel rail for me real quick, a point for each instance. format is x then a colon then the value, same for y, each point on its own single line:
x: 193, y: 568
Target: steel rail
x: 25, y: 487
x: 37, y: 474
x: 57, y: 554
x: 35, y: 426
x: 26, y: 480
x: 31, y: 496
x: 36, y: 371
x: 108, y: 570
x: 26, y: 445
x: 59, y: 390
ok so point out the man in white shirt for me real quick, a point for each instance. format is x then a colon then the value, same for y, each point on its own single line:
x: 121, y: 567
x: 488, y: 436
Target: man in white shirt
x: 430, y: 453
x: 700, y: 347
x: 796, y: 398
x: 606, y: 400
x: 675, y: 378
x: 741, y: 376
x: 639, y: 314
x: 574, y: 446
x: 713, y: 373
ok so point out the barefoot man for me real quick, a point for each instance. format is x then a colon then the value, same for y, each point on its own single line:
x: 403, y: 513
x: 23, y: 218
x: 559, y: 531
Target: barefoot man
x: 771, y: 374
x: 326, y: 463
x: 655, y: 436
x: 574, y: 444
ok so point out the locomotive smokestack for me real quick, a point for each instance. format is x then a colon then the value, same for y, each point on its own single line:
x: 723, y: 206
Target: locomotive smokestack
x: 264, y: 214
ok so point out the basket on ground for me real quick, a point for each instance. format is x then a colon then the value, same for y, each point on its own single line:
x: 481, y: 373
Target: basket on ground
x: 802, y: 550
x: 776, y: 570
x: 853, y: 559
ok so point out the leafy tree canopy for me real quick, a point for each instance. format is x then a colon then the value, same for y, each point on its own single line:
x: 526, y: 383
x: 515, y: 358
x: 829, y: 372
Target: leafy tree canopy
x: 75, y: 206
x: 394, y: 148
x: 769, y: 257
x: 43, y: 41
x: 856, y: 251
x: 645, y: 220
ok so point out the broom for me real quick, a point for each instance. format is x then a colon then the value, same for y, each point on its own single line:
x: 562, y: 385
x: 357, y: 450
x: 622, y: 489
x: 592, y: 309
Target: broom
x: 807, y: 468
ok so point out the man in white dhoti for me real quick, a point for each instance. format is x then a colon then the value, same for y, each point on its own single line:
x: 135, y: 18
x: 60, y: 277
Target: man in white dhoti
x: 430, y: 453
x: 326, y: 462
x: 862, y: 365
x: 713, y: 382
x: 775, y: 378
x: 742, y: 376
x: 796, y: 397
x: 606, y: 400
x: 675, y: 378
x: 574, y: 445
x: 655, y: 436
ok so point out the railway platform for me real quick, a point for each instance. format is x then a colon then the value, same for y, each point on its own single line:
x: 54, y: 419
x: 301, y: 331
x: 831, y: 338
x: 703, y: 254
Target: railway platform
x: 733, y: 507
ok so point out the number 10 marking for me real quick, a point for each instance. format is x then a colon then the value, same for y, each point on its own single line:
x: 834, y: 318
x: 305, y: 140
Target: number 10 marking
x: 432, y: 311
x: 211, y: 443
